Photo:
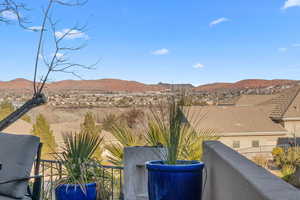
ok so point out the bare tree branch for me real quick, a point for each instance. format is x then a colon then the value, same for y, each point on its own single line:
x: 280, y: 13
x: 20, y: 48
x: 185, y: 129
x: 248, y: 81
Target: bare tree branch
x: 58, y: 61
x: 11, y: 11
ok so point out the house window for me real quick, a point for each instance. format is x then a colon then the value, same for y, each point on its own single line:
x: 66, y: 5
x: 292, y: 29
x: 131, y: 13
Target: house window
x: 255, y: 143
x: 236, y: 144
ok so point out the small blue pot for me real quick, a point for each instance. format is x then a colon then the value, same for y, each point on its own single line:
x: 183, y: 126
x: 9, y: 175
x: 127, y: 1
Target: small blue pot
x: 74, y: 192
x: 182, y: 181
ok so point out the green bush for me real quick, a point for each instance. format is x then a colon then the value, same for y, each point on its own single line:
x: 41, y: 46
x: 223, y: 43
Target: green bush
x: 287, y: 171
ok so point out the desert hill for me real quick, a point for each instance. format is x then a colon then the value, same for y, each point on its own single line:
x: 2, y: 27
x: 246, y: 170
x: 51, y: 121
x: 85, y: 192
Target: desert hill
x: 246, y: 84
x: 107, y: 85
x: 117, y: 85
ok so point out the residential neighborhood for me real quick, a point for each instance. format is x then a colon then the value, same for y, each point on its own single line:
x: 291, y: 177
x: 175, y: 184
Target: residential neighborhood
x: 149, y: 100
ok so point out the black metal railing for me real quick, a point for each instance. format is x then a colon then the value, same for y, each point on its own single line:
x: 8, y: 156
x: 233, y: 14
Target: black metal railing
x: 51, y: 170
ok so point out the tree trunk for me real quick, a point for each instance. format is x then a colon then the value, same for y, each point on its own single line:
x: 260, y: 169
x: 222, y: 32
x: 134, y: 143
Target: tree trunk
x: 32, y: 103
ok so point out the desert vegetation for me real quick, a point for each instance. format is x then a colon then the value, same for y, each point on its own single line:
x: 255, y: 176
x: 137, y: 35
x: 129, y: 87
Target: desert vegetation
x: 41, y: 128
x: 287, y: 159
x: 119, y: 128
x: 6, y: 108
x: 164, y: 125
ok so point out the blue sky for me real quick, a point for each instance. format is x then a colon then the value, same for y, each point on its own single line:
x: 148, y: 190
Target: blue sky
x: 175, y: 41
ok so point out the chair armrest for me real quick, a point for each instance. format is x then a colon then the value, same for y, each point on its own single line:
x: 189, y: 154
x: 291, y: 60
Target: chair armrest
x: 20, y: 179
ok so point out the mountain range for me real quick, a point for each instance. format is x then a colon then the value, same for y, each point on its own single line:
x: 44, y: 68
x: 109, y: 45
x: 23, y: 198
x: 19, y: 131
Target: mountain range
x: 117, y: 85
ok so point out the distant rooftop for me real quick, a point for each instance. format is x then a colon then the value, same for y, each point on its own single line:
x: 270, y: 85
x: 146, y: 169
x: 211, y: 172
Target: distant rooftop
x: 249, y: 100
x: 233, y: 120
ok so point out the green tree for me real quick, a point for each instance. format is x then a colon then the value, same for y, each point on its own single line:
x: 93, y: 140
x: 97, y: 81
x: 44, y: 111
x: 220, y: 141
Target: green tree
x: 6, y: 108
x: 89, y: 124
x: 41, y: 128
x: 90, y: 127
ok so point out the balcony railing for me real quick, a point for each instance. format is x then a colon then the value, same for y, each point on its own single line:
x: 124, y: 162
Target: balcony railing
x: 51, y: 170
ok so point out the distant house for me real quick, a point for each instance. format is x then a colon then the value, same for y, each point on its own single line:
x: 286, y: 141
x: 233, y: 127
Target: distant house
x: 283, y: 108
x: 254, y: 122
x: 239, y: 127
x: 252, y: 100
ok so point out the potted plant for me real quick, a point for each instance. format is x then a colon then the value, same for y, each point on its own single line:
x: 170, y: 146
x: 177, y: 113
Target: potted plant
x: 79, y: 170
x: 171, y: 178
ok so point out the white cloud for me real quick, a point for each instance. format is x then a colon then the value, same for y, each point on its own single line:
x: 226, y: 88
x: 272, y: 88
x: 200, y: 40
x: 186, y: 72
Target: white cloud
x: 218, y: 21
x: 59, y: 55
x: 35, y: 28
x: 282, y: 49
x: 162, y: 51
x: 71, y: 34
x: 296, y: 45
x: 10, y: 15
x: 40, y: 56
x: 198, y: 66
x: 291, y: 3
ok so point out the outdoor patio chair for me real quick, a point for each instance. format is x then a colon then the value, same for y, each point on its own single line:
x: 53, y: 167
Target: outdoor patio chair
x: 17, y: 156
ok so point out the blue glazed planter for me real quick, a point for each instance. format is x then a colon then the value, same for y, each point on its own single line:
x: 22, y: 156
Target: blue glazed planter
x: 74, y: 192
x: 182, y: 181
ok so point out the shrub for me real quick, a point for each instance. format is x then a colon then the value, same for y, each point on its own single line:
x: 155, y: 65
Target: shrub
x: 42, y: 129
x: 260, y: 160
x: 132, y: 116
x: 108, y: 121
x: 277, y: 155
x: 287, y: 171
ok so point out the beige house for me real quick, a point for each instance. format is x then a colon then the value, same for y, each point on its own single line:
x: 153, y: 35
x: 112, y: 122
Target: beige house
x: 254, y: 123
x: 244, y: 128
x: 283, y: 108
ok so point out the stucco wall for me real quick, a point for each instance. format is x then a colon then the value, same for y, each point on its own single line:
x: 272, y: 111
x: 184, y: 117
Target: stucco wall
x: 135, y: 172
x: 246, y: 141
x: 266, y: 145
x: 231, y: 176
x: 292, y: 127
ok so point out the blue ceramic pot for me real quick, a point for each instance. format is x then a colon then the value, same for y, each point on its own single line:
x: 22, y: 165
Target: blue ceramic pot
x: 74, y: 192
x: 182, y: 181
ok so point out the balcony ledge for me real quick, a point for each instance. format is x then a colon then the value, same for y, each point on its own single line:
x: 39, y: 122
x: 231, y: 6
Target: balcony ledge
x: 231, y: 176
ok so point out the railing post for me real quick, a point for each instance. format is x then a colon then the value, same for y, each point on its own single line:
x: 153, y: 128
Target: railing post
x: 135, y: 173
x: 106, y: 169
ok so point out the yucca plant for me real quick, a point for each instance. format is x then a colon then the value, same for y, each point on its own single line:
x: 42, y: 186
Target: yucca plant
x: 125, y: 137
x: 167, y: 127
x: 78, y: 164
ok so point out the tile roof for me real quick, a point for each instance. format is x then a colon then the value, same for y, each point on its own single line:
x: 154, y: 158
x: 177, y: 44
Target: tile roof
x: 248, y: 100
x: 282, y: 102
x: 232, y: 120
x: 283, y: 105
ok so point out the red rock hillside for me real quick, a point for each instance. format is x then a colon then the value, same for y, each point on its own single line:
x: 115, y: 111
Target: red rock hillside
x: 102, y: 85
x: 108, y: 85
x: 116, y: 85
x: 243, y: 84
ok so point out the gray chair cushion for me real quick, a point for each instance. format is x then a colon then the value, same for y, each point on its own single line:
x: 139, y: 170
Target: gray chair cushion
x: 9, y: 198
x: 17, y: 154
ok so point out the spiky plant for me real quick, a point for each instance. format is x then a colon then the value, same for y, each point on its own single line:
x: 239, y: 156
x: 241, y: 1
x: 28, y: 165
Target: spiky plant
x: 116, y: 154
x: 168, y: 127
x: 76, y: 158
x: 125, y: 137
